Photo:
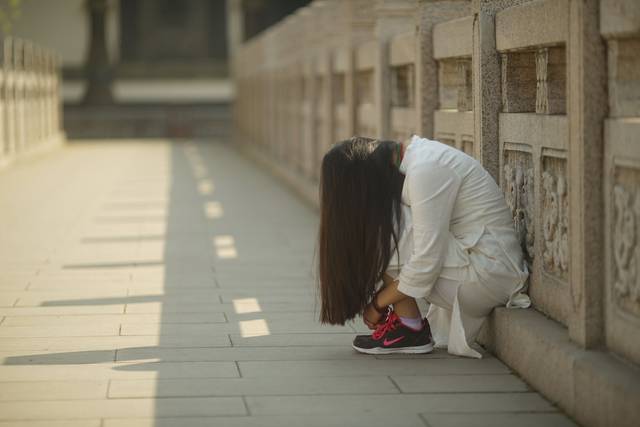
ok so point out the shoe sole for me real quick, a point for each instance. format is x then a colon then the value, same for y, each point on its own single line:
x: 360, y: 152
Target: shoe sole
x: 427, y: 348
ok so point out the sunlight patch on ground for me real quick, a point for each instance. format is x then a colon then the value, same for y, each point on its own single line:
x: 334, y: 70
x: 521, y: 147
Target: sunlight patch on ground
x: 205, y: 187
x: 225, y: 247
x: 213, y: 210
x: 246, y: 305
x: 254, y: 328
x: 195, y: 159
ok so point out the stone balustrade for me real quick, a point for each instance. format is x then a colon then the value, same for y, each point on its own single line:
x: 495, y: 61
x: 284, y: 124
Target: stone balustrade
x: 30, y: 108
x: 546, y: 95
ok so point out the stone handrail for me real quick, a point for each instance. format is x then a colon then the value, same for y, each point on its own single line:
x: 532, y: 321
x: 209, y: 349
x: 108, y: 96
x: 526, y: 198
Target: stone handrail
x: 545, y: 94
x: 30, y: 105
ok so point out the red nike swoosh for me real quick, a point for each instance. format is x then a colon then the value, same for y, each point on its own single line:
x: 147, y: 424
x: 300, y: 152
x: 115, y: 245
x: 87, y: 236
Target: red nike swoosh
x: 393, y: 341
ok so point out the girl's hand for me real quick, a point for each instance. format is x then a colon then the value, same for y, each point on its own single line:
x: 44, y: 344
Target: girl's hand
x: 371, y: 317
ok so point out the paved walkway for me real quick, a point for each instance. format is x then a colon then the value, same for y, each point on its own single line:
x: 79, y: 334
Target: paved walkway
x: 144, y: 283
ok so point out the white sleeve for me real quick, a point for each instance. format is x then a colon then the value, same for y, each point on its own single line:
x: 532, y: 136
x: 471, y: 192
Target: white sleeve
x: 432, y: 194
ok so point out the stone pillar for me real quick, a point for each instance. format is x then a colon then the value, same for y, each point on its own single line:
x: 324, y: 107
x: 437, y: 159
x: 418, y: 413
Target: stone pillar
x: 453, y: 117
x: 620, y: 26
x: 430, y: 12
x: 323, y: 99
x: 360, y: 29
x: 4, y: 146
x: 19, y: 98
x: 99, y: 75
x: 586, y: 110
x: 9, y: 97
x: 486, y: 81
x: 392, y: 17
x: 235, y: 27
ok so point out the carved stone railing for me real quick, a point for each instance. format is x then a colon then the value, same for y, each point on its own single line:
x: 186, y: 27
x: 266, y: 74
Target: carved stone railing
x: 30, y: 110
x: 621, y: 29
x: 546, y: 95
x: 534, y: 144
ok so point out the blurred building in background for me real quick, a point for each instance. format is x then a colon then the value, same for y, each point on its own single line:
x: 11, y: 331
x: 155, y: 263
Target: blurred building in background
x: 166, y: 61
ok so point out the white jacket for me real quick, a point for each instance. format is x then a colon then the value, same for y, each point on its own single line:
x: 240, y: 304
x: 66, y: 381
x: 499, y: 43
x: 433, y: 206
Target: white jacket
x: 457, y: 226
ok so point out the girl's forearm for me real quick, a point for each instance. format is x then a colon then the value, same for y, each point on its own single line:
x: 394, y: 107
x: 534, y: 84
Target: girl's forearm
x: 390, y: 294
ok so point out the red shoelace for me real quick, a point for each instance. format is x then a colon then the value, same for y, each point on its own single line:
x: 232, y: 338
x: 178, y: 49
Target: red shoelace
x: 389, y: 325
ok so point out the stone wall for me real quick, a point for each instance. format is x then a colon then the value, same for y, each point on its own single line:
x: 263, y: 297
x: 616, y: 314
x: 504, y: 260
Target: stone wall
x: 546, y: 94
x: 30, y: 109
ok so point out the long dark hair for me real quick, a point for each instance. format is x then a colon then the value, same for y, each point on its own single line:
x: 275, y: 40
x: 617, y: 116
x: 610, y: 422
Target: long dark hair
x: 360, y: 195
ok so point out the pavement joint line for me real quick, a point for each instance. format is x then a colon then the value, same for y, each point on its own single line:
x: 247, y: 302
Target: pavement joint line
x: 423, y: 418
x: 395, y: 384
x: 246, y: 405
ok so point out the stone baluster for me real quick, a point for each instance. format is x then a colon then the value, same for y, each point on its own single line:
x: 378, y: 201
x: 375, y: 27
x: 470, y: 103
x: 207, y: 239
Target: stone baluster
x: 9, y: 98
x: 4, y: 147
x: 28, y: 93
x: 20, y: 98
x: 392, y: 17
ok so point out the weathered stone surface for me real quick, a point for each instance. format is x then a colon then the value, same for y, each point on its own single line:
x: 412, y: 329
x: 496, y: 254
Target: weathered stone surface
x: 542, y: 22
x: 522, y: 85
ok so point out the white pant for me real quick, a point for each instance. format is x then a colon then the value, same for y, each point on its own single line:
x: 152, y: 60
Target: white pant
x: 464, y: 295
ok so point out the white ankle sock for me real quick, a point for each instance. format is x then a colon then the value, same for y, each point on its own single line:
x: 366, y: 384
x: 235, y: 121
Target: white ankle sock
x: 412, y: 322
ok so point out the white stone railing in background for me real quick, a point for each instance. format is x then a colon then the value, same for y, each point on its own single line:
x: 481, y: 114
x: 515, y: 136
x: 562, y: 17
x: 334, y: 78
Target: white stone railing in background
x: 30, y: 105
x: 545, y: 94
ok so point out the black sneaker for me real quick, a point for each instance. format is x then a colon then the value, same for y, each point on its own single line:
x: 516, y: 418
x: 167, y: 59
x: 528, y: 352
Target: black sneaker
x: 393, y: 336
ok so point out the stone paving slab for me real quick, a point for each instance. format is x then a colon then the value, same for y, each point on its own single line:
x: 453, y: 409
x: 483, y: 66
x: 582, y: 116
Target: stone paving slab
x: 238, y: 354
x: 398, y: 404
x: 83, y: 330
x: 121, y: 408
x: 251, y: 386
x: 52, y: 423
x: 112, y: 343
x: 157, y: 283
x: 275, y: 326
x: 62, y: 310
x: 46, y: 390
x: 371, y: 366
x: 108, y: 370
x: 497, y: 420
x: 344, y: 420
x: 458, y: 383
x: 202, y: 318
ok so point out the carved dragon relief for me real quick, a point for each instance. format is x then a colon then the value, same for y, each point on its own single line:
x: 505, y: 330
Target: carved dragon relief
x: 519, y: 194
x: 555, y: 223
x: 626, y: 247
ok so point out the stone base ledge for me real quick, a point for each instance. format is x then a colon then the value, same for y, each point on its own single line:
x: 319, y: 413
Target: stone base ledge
x: 50, y: 144
x: 594, y: 387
